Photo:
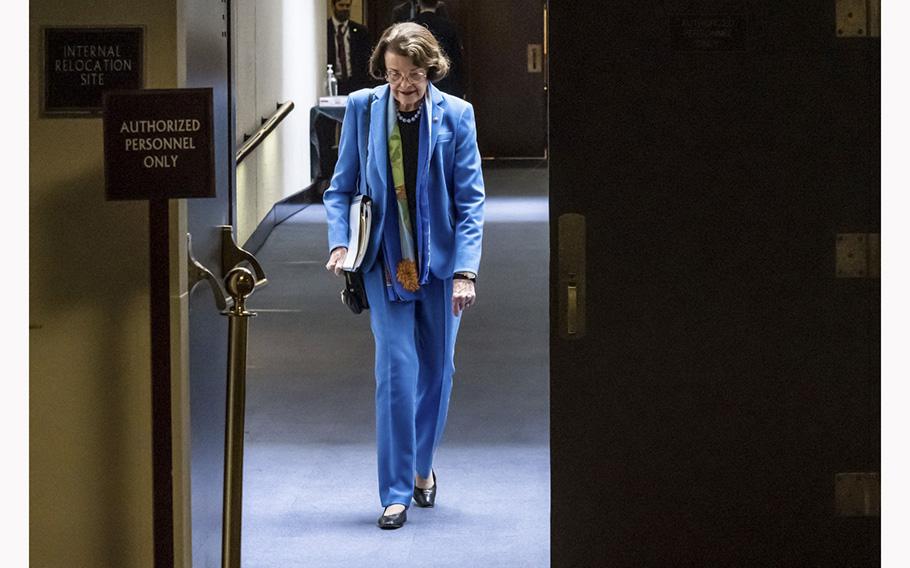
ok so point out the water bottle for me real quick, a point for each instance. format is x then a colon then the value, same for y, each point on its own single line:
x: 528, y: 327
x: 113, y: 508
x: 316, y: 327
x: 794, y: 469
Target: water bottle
x: 331, y: 83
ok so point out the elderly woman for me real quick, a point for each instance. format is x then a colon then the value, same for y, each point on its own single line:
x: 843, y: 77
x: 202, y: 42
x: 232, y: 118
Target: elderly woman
x: 413, y: 150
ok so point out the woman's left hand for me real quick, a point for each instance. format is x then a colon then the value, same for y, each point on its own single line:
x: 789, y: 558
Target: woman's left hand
x: 463, y: 295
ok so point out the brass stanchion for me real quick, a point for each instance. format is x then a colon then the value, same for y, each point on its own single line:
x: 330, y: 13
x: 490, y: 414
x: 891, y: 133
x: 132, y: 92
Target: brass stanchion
x: 240, y: 283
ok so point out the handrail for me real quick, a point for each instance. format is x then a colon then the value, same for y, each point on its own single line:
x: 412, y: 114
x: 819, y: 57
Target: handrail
x: 268, y: 125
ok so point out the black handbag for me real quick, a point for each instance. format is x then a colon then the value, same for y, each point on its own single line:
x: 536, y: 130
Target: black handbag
x: 354, y: 294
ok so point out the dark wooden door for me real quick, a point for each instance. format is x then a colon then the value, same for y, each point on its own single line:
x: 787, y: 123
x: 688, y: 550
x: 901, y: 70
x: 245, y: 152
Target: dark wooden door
x: 510, y: 101
x: 509, y: 98
x: 721, y: 375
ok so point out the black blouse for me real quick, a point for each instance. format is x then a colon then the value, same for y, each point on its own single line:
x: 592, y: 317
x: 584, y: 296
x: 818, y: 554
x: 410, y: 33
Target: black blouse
x: 410, y: 143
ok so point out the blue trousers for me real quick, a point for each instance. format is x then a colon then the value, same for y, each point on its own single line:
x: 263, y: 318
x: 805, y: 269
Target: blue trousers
x: 415, y: 347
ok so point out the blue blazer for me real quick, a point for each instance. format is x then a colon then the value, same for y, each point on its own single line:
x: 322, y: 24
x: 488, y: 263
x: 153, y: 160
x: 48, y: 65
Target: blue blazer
x: 452, y: 174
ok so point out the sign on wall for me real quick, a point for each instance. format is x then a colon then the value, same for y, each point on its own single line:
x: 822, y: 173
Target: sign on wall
x: 158, y: 144
x: 80, y: 64
x: 709, y: 33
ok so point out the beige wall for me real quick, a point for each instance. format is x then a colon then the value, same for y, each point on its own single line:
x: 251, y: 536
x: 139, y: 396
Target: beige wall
x: 90, y: 466
x: 279, y: 47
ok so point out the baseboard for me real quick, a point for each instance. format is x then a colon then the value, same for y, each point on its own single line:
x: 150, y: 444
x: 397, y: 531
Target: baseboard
x: 282, y: 211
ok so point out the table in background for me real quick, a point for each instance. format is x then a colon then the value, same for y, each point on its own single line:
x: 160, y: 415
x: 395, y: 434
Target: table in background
x: 325, y: 128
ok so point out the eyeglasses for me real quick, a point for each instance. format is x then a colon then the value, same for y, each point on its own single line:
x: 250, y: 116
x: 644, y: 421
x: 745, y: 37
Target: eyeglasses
x: 414, y: 77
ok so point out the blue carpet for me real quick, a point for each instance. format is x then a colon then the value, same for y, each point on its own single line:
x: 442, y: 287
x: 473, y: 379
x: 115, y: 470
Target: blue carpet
x: 310, y: 495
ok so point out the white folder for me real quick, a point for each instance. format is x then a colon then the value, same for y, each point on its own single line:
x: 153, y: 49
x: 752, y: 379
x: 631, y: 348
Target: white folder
x: 359, y: 220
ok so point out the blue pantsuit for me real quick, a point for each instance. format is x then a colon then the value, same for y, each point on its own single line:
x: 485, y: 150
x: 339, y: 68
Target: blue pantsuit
x: 415, y: 340
x: 415, y: 344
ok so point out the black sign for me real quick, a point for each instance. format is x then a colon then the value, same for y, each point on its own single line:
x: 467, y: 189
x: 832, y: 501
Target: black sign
x: 158, y: 144
x: 81, y: 63
x: 709, y: 33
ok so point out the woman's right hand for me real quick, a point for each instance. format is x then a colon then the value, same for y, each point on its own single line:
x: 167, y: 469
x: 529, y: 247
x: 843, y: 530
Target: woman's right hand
x: 336, y: 259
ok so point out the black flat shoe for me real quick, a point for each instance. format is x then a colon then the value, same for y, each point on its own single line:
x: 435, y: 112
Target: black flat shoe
x: 426, y: 497
x: 395, y: 521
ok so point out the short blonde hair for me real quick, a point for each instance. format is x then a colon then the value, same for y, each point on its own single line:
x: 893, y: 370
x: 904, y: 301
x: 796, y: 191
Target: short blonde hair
x: 414, y: 41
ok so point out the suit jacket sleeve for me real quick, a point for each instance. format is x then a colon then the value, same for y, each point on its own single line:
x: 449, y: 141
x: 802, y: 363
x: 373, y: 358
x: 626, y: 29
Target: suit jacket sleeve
x: 360, y: 56
x: 337, y: 198
x: 468, y: 195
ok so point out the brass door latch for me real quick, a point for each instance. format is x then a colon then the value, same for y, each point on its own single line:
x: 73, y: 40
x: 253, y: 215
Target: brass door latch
x: 571, y: 286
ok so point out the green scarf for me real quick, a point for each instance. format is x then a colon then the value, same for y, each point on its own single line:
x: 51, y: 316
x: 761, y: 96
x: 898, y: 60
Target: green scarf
x: 406, y: 269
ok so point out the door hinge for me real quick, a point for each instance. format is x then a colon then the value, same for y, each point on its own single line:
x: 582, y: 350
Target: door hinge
x: 857, y: 494
x: 858, y: 18
x: 858, y: 255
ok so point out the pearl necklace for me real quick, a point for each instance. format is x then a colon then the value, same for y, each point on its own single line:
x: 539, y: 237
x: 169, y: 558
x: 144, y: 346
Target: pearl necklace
x: 409, y: 120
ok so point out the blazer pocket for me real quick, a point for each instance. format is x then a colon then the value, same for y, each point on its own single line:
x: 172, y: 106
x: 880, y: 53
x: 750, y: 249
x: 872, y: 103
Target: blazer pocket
x: 444, y: 137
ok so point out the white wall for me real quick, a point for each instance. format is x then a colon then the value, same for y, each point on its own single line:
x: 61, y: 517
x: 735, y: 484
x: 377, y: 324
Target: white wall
x: 280, y: 55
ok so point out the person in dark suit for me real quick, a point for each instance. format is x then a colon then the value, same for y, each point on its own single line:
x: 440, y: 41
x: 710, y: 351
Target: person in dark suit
x: 406, y: 11
x: 445, y: 32
x: 348, y: 49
